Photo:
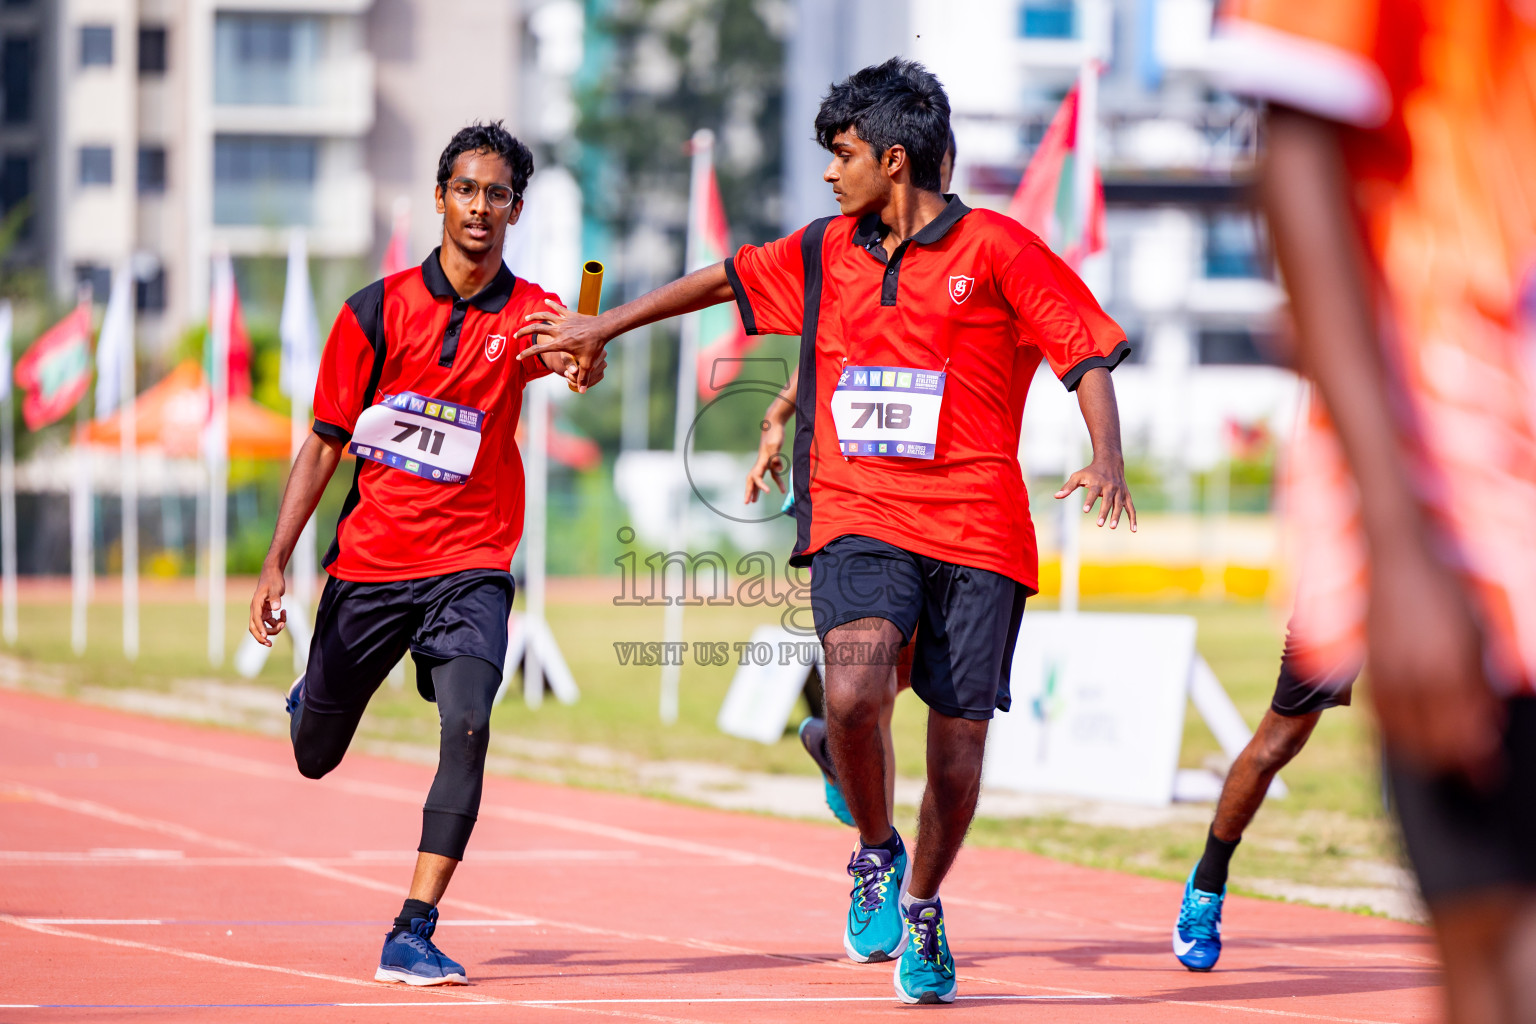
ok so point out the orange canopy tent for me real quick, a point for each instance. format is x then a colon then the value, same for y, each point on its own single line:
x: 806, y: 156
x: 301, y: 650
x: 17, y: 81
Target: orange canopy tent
x: 173, y: 416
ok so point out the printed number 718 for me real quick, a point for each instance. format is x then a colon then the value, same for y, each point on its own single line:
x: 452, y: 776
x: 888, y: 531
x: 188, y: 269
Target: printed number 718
x: 893, y: 415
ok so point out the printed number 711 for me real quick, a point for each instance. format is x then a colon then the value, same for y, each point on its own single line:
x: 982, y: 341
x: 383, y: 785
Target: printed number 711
x: 428, y: 438
x: 892, y: 415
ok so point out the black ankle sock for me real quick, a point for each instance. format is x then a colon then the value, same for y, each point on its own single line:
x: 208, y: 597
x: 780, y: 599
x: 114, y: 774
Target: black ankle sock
x: 1211, y: 873
x: 412, y: 910
x: 891, y: 846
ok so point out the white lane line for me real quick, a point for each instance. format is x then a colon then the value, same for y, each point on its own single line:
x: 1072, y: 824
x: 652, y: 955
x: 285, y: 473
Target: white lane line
x: 187, y: 954
x: 94, y: 920
x: 262, y: 769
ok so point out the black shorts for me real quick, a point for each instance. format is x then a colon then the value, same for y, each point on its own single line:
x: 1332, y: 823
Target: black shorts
x: 362, y: 630
x: 969, y: 618
x: 1299, y: 693
x: 1462, y: 841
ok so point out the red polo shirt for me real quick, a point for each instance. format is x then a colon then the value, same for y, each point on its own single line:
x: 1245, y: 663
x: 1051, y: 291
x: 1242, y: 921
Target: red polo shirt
x: 396, y: 525
x: 973, y: 293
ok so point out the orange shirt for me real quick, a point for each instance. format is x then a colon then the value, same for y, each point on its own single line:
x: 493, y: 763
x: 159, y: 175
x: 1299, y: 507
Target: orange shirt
x: 1438, y: 100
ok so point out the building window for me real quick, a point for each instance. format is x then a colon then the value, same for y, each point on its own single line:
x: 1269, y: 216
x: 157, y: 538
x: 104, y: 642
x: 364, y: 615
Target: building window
x: 151, y: 169
x: 16, y: 189
x: 95, y: 165
x: 152, y: 58
x: 1234, y: 347
x: 98, y: 277
x: 1233, y: 246
x: 96, y: 46
x: 149, y: 292
x: 16, y: 79
x: 266, y: 59
x: 264, y: 179
x: 1048, y: 19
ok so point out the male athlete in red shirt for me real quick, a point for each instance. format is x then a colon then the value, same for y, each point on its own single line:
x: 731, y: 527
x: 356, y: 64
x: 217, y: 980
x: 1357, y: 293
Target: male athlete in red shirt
x: 416, y: 382
x: 922, y: 323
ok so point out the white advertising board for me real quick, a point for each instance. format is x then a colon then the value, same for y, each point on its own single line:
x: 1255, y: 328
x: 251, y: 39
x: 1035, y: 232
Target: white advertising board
x: 1098, y: 707
x: 762, y: 696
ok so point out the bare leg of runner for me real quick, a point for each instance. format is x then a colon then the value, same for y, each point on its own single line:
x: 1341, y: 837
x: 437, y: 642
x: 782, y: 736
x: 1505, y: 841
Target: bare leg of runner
x: 955, y: 747
x: 856, y: 695
x: 1278, y: 740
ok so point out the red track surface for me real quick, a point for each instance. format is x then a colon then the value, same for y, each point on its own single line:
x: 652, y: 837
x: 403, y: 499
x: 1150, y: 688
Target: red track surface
x: 160, y: 871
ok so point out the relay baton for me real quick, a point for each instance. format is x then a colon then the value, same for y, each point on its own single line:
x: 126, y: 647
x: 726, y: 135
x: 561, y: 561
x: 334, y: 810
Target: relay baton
x: 591, y: 295
x: 591, y: 288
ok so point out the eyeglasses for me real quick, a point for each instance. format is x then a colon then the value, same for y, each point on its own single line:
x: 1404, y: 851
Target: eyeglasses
x: 465, y: 190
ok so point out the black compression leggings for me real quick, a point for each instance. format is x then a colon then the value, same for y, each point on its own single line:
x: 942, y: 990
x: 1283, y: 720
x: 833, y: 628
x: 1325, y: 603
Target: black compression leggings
x: 465, y: 688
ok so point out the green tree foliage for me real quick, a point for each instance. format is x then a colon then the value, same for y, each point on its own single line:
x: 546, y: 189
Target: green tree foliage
x: 657, y: 71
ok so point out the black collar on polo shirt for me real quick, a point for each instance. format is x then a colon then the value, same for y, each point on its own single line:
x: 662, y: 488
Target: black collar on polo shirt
x: 490, y: 299
x: 871, y: 233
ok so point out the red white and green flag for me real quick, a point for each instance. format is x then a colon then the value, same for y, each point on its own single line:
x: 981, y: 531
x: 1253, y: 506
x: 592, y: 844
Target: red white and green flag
x: 55, y: 372
x: 722, y: 339
x: 1060, y: 197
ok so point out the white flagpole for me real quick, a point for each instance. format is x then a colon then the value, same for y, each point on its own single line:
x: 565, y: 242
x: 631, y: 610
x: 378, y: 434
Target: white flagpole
x: 300, y: 339
x: 218, y: 451
x: 687, y: 403
x: 79, y: 537
x: 80, y: 568
x: 7, y: 482
x: 115, y: 392
x: 535, y: 552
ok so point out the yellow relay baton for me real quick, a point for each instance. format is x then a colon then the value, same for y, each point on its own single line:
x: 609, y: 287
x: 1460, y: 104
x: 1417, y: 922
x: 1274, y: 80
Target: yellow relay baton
x: 591, y: 295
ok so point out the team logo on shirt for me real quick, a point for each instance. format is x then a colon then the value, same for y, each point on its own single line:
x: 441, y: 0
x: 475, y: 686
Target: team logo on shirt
x: 960, y: 287
x: 494, y: 345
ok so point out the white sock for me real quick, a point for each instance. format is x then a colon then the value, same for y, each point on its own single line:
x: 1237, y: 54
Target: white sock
x: 907, y: 899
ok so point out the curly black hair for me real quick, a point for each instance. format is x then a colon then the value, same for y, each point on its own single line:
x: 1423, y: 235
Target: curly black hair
x: 487, y: 137
x: 898, y: 103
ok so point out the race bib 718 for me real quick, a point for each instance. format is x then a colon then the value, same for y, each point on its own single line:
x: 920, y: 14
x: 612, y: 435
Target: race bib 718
x: 888, y: 410
x: 426, y: 437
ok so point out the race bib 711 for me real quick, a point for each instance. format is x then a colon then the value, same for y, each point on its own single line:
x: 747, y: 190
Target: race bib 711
x: 426, y: 437
x: 888, y: 410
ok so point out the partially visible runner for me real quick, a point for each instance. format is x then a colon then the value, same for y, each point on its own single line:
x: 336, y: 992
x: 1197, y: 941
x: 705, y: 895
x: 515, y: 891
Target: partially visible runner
x: 1397, y: 180
x: 922, y: 323
x: 415, y: 381
x: 1299, y: 701
x: 770, y: 460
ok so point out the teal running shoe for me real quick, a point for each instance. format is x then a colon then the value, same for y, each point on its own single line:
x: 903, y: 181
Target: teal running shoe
x: 875, y: 932
x: 926, y: 972
x: 813, y: 736
x: 1197, y: 935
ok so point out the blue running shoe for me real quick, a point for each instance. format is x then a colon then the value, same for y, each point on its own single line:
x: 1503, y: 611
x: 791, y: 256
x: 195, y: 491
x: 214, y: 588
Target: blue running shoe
x: 294, y: 704
x: 875, y: 932
x: 1197, y: 935
x: 295, y: 699
x: 813, y: 736
x: 412, y: 958
x: 926, y: 971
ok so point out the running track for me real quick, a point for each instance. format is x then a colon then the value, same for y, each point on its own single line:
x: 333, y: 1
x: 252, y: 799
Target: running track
x: 160, y: 871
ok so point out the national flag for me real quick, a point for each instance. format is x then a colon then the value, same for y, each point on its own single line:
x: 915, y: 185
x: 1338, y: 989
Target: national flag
x: 297, y: 326
x: 238, y: 376
x: 722, y: 339
x: 56, y: 370
x: 1060, y: 197
x: 397, y: 254
x: 115, y: 344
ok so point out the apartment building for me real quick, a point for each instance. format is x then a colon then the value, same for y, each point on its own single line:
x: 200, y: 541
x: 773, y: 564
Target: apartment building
x: 153, y: 133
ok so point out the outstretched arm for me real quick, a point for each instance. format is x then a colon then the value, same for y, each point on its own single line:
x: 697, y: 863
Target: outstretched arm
x: 769, y: 457
x: 1425, y: 649
x: 311, y: 471
x: 584, y: 337
x: 1104, y: 477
